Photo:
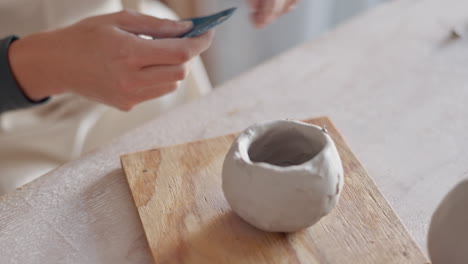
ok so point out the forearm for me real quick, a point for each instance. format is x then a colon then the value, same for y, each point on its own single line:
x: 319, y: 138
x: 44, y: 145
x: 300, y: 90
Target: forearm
x: 11, y: 95
x: 102, y: 58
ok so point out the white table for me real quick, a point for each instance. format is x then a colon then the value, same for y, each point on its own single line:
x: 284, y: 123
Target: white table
x: 393, y: 83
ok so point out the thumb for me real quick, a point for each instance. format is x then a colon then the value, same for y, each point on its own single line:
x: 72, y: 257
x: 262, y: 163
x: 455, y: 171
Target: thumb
x: 138, y: 23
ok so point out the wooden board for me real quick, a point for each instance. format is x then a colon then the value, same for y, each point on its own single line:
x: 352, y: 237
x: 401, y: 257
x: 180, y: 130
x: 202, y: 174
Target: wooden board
x: 186, y: 218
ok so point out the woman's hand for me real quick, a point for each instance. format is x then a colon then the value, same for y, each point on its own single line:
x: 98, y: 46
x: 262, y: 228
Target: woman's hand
x: 266, y: 11
x: 102, y: 58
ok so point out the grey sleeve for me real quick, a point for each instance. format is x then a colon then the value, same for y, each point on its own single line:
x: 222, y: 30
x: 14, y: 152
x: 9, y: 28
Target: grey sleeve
x: 11, y: 95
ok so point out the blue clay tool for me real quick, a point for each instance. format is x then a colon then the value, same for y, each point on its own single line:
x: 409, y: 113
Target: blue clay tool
x: 203, y: 24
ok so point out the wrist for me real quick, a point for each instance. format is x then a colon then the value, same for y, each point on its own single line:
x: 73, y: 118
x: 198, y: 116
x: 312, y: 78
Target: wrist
x: 29, y: 66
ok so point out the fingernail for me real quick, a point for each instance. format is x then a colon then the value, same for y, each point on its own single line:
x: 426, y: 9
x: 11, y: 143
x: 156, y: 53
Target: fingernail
x: 186, y: 24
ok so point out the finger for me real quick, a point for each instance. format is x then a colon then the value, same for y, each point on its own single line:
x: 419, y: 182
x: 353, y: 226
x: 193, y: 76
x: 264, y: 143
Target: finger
x: 155, y: 75
x: 254, y: 4
x: 140, y: 95
x: 263, y: 13
x: 266, y: 12
x: 155, y: 91
x: 137, y: 23
x: 255, y: 7
x: 171, y: 51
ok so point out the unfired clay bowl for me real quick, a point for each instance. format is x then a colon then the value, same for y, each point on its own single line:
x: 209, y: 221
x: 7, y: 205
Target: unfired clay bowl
x: 282, y: 176
x: 448, y: 232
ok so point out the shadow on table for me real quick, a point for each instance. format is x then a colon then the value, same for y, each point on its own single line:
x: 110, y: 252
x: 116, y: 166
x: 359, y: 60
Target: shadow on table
x: 228, y: 239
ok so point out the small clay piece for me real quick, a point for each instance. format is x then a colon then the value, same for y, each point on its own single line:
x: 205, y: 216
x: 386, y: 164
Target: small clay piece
x: 448, y: 232
x: 282, y: 176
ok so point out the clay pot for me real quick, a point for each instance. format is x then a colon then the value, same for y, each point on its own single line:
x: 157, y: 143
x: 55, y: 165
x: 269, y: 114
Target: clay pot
x: 448, y: 232
x: 282, y: 176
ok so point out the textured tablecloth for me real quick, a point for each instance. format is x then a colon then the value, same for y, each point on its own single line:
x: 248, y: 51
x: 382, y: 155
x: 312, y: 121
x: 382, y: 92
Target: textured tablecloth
x: 395, y: 82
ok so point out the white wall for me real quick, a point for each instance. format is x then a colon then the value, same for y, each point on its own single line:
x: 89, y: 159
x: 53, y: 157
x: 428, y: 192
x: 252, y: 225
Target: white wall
x: 238, y: 46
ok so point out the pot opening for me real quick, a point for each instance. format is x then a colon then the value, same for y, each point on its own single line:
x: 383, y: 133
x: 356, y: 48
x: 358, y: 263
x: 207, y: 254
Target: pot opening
x: 287, y: 146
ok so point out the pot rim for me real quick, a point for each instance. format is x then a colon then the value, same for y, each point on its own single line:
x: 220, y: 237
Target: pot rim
x: 256, y: 131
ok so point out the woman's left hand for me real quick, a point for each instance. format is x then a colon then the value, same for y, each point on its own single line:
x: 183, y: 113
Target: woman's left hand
x: 266, y: 11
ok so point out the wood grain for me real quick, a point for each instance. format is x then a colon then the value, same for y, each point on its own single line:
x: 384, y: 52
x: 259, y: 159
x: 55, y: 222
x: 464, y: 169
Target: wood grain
x: 186, y: 219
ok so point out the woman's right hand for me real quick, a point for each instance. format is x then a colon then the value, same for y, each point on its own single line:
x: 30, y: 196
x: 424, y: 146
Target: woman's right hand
x: 265, y: 12
x: 102, y: 58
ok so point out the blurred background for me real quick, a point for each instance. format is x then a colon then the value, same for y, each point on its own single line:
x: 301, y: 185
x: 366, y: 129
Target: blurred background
x: 238, y: 46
